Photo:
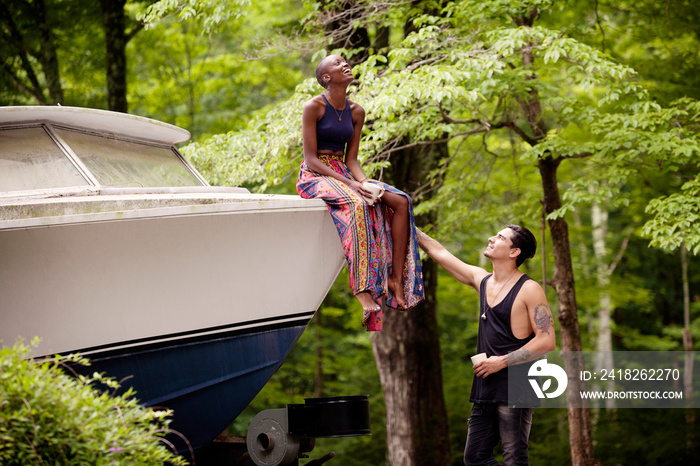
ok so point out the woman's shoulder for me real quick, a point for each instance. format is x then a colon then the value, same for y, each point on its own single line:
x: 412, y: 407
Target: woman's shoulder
x: 354, y: 104
x: 356, y: 108
x: 316, y: 105
x: 315, y: 101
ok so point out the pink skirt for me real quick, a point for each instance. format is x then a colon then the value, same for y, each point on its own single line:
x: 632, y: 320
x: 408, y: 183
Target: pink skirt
x: 365, y: 234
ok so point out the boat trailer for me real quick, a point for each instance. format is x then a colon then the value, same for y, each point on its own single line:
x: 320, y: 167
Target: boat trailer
x: 281, y: 437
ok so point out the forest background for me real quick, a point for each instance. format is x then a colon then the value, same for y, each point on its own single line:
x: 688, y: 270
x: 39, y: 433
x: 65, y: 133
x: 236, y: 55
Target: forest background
x: 577, y: 119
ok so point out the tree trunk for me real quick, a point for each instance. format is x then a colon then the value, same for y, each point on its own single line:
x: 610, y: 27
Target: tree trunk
x: 688, y: 347
x: 13, y: 43
x: 687, y: 337
x: 580, y: 436
x: 604, y: 359
x: 407, y: 351
x: 47, y: 53
x: 580, y: 432
x: 116, y: 40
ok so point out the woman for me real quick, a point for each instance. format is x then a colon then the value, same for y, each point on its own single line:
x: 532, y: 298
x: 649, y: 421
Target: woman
x: 379, y: 240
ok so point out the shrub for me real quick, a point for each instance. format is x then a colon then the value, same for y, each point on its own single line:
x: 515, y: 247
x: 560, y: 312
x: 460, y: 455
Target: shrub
x: 48, y: 417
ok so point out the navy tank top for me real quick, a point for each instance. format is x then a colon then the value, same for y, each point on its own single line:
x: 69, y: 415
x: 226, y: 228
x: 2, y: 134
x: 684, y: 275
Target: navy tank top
x: 335, y: 129
x: 495, y: 338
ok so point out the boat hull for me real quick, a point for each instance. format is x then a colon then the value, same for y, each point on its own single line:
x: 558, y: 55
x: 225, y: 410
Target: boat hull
x: 206, y: 382
x: 194, y: 305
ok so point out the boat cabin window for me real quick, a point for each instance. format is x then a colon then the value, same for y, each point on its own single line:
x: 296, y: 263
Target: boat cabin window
x: 30, y: 159
x: 120, y: 163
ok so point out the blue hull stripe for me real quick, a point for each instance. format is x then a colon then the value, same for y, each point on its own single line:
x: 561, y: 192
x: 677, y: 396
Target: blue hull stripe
x: 210, y: 383
x: 195, y: 335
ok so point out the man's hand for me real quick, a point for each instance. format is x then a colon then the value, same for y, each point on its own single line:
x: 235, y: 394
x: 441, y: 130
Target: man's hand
x: 465, y: 273
x: 490, y: 366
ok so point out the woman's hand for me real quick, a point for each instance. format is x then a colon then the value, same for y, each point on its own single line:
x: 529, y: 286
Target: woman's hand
x: 357, y: 186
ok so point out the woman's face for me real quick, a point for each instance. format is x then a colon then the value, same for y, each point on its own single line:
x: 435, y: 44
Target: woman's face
x: 338, y: 70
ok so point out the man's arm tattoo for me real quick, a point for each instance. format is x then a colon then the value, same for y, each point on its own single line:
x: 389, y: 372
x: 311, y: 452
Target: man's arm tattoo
x: 543, y: 318
x: 518, y: 356
x: 423, y: 240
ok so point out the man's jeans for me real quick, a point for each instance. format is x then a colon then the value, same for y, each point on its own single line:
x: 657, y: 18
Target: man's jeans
x: 491, y: 422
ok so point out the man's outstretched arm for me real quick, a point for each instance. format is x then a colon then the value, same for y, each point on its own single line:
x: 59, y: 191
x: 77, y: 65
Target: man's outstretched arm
x: 465, y: 273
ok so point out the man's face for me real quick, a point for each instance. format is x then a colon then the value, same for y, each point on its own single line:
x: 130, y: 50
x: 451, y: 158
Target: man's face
x: 500, y: 245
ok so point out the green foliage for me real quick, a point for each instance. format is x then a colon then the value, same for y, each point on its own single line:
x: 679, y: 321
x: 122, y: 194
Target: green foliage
x: 264, y: 154
x: 79, y: 47
x: 675, y: 219
x: 658, y: 39
x: 212, y: 12
x: 49, y: 417
x: 213, y: 83
x: 442, y: 84
x: 652, y: 436
x: 502, y: 9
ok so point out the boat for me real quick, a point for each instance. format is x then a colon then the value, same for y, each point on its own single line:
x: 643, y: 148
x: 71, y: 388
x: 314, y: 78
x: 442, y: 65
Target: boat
x: 113, y: 246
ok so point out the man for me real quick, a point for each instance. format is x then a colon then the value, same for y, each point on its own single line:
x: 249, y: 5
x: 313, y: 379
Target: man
x: 515, y: 327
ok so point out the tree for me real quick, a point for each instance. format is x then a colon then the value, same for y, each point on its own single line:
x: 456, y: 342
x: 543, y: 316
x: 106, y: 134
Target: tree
x: 211, y: 73
x: 30, y: 58
x: 116, y: 39
x: 44, y: 50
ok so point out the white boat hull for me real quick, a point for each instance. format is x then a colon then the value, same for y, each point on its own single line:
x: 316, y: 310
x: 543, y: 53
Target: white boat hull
x: 106, y: 280
x: 195, y: 306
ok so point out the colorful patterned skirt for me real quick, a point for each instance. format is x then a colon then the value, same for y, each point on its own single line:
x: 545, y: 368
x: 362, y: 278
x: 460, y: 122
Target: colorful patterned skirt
x: 365, y: 233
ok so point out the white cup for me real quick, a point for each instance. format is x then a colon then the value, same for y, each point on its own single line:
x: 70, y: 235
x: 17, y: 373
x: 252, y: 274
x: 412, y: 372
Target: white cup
x: 377, y: 191
x: 478, y: 358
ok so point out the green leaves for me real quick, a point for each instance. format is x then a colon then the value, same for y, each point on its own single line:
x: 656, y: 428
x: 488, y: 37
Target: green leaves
x: 49, y: 417
x: 675, y: 219
x: 506, y: 8
x: 213, y: 12
x: 263, y: 155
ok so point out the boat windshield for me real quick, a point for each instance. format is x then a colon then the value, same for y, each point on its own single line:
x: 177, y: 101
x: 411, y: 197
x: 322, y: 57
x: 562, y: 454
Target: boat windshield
x: 31, y: 159
x: 121, y: 163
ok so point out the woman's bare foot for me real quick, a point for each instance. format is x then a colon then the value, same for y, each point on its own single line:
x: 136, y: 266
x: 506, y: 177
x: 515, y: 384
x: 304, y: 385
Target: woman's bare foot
x: 368, y: 304
x: 396, y: 285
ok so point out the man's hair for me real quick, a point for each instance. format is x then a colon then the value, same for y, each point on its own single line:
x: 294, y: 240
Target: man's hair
x: 320, y: 70
x: 524, y: 240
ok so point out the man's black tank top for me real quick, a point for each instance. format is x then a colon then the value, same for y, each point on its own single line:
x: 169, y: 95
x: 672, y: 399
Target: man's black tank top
x: 495, y: 338
x: 335, y: 129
